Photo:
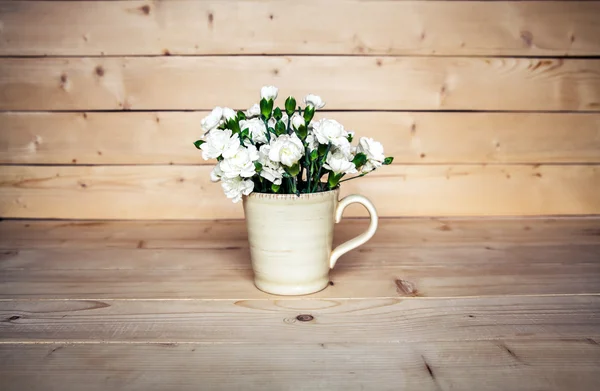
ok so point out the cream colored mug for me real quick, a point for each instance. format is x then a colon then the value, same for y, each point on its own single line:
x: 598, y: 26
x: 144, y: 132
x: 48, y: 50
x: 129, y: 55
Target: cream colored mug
x: 291, y: 239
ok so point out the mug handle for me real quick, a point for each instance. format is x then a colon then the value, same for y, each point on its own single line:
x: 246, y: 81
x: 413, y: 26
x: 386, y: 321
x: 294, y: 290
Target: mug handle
x: 360, y: 239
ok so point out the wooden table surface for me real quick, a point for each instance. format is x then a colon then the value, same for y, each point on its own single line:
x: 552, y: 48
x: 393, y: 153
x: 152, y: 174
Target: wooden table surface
x: 427, y: 304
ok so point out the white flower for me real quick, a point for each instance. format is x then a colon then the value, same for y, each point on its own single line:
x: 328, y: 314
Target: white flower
x: 253, y: 111
x: 236, y: 187
x: 228, y: 113
x: 368, y: 167
x: 212, y: 120
x: 330, y: 131
x: 312, y: 142
x: 346, y: 148
x: 337, y: 161
x: 240, y: 164
x: 220, y: 143
x: 286, y: 149
x: 257, y: 129
x: 271, y: 170
x: 268, y: 92
x: 374, y: 152
x: 216, y: 173
x: 297, y: 121
x: 314, y: 101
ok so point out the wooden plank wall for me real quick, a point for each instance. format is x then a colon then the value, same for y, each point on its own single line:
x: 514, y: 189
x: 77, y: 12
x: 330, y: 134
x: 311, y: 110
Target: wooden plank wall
x: 490, y: 108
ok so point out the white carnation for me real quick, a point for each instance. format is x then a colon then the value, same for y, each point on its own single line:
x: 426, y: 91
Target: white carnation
x: 330, y: 131
x: 346, y: 148
x: 286, y: 149
x: 374, y: 152
x: 269, y: 92
x: 228, y: 113
x: 253, y: 111
x: 337, y: 161
x: 240, y: 164
x: 236, y: 187
x: 213, y: 120
x: 271, y: 171
x: 314, y: 101
x: 216, y: 173
x: 256, y: 128
x: 312, y: 142
x: 220, y: 143
x: 297, y: 121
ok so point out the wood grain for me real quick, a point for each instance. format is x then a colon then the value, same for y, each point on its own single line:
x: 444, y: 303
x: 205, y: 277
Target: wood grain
x: 213, y: 27
x: 256, y: 321
x: 185, y: 192
x: 417, y: 137
x: 231, y: 234
x: 385, y: 83
x: 485, y: 365
x: 368, y: 272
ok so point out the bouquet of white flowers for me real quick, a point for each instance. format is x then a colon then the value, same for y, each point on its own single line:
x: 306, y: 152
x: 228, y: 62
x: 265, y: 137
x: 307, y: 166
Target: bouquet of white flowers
x: 282, y: 151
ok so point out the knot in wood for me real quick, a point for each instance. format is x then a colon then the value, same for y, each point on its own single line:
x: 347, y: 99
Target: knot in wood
x: 406, y: 288
x: 304, y: 318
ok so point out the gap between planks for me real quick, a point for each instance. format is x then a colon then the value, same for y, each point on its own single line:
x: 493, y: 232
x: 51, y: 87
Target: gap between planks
x: 304, y: 298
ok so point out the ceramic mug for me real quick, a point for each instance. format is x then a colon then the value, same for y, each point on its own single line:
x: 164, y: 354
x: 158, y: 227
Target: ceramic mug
x: 291, y: 239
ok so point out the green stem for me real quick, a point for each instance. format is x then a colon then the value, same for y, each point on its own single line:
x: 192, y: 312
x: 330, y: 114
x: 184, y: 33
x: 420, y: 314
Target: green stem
x: 308, y: 167
x: 291, y: 186
x: 354, y: 177
x: 268, y: 133
x: 263, y: 185
x: 321, y: 161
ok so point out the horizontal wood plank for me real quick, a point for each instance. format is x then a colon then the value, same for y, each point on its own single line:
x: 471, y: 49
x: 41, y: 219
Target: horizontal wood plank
x: 368, y: 272
x: 213, y: 27
x: 231, y: 234
x: 133, y: 137
x: 185, y: 192
x: 390, y: 83
x: 483, y: 365
x: 256, y: 321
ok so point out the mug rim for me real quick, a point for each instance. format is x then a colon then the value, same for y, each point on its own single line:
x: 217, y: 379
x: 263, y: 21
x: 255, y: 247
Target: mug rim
x: 302, y: 196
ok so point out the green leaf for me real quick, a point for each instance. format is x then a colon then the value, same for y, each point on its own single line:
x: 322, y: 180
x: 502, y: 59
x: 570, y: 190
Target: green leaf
x: 277, y: 113
x: 293, y: 170
x: 290, y: 106
x: 280, y: 128
x: 199, y: 143
x: 309, y: 113
x: 302, y: 132
x: 275, y: 188
x: 233, y: 125
x: 314, y: 155
x: 322, y: 149
x: 258, y: 166
x: 266, y: 106
x: 359, y: 160
x: 350, y: 137
x: 241, y: 115
x: 388, y: 160
x: 245, y: 133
